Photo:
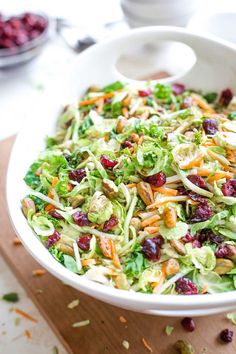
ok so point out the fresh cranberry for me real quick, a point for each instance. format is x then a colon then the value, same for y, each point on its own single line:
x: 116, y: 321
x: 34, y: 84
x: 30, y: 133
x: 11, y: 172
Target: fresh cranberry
x: 197, y: 198
x: 77, y: 175
x: 188, y: 324
x: 81, y: 219
x: 15, y: 23
x: 197, y: 180
x: 225, y: 97
x: 178, y: 89
x: 40, y: 24
x: 222, y: 252
x: 34, y: 34
x: 144, y: 93
x: 126, y: 144
x: 157, y: 180
x: 210, y: 126
x: 202, y: 213
x: 226, y: 335
x: 107, y: 162
x: 110, y: 224
x: 229, y: 188
x: 52, y: 239
x: 84, y: 242
x: 186, y: 286
x: 21, y: 38
x: 187, y: 102
x: 151, y: 249
x: 6, y: 43
x: 55, y: 215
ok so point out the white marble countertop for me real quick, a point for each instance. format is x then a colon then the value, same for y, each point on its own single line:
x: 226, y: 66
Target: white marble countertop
x: 23, y: 87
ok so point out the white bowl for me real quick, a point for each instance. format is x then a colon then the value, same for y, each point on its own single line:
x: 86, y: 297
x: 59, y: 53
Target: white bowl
x: 209, y: 73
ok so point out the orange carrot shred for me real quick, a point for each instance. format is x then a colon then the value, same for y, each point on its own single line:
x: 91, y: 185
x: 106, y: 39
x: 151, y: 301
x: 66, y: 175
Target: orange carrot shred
x: 95, y: 99
x: 50, y: 207
x: 131, y: 185
x: 25, y: 315
x: 123, y: 319
x: 150, y: 220
x: 38, y: 272
x: 115, y: 257
x: 166, y: 191
x: 16, y: 241
x: 147, y: 346
x: 28, y: 334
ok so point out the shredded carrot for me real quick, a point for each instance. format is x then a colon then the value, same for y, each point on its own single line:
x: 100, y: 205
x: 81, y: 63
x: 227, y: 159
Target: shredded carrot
x: 216, y: 157
x: 165, y: 190
x: 50, y: 207
x: 194, y: 163
x: 203, y: 173
x: 16, y: 241
x: 95, y: 99
x: 54, y: 183
x: 151, y: 229
x: 123, y: 319
x: 38, y: 272
x: 25, y: 315
x: 69, y: 187
x: 28, y: 334
x: 88, y: 262
x: 202, y: 104
x: 157, y: 204
x: 131, y: 185
x: 115, y: 257
x: 219, y: 176
x: 105, y: 245
x: 146, y: 345
x: 231, y: 155
x: 150, y: 220
x: 141, y: 140
x: 204, y: 289
x: 192, y: 202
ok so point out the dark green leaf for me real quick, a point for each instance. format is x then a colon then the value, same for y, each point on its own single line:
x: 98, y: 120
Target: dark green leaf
x: 210, y: 97
x: 232, y: 116
x: 30, y: 178
x: 116, y: 109
x: 113, y: 87
x: 11, y: 297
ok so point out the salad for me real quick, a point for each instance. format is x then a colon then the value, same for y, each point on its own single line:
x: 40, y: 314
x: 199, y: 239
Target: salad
x: 137, y: 189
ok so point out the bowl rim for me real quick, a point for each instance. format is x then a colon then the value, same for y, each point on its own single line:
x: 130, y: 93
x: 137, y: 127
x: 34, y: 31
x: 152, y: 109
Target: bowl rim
x: 103, y: 292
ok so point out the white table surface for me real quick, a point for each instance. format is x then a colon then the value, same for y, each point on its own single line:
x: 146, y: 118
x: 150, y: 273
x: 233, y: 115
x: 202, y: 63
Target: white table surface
x: 19, y: 91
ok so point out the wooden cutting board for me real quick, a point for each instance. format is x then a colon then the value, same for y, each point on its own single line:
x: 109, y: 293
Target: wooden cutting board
x: 105, y: 332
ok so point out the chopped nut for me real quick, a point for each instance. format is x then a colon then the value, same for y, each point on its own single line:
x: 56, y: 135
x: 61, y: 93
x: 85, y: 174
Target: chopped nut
x: 122, y: 121
x: 126, y: 101
x: 184, y: 347
x: 178, y: 246
x: 76, y: 200
x: 170, y: 217
x: 136, y: 223
x: 109, y: 188
x: 65, y: 246
x: 134, y: 137
x: 27, y: 205
x: 171, y: 266
x: 145, y: 192
x: 223, y: 266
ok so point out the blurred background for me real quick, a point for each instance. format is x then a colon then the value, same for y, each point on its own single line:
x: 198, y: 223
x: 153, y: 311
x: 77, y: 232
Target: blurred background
x: 39, y: 40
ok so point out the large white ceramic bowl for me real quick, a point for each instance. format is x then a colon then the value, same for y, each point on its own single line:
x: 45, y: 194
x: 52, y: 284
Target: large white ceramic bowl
x: 214, y: 69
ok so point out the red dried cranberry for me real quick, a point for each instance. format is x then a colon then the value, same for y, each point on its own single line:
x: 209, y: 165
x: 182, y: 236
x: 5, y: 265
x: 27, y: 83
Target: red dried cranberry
x: 187, y: 102
x: 110, y: 224
x: 202, y: 213
x: 52, y: 239
x: 55, y: 215
x: 84, y: 242
x: 144, y: 93
x: 182, y: 191
x: 157, y: 180
x: 225, y: 97
x: 229, y: 188
x: 151, y: 250
x: 107, y: 162
x: 188, y: 324
x: 188, y: 238
x: 197, y: 180
x: 208, y: 235
x: 226, y: 335
x: 186, y: 286
x: 210, y: 126
x: 222, y: 252
x: 77, y: 175
x: 159, y: 240
x: 81, y: 219
x: 126, y: 144
x: 178, y: 89
x: 197, y: 198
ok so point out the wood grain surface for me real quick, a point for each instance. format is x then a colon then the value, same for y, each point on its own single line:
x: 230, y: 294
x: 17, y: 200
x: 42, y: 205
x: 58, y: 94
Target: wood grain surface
x: 105, y: 332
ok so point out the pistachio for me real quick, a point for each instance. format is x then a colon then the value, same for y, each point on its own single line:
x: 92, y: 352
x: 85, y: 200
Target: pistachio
x: 170, y: 217
x: 27, y: 205
x: 171, y: 267
x: 65, y: 245
x: 94, y: 88
x: 223, y: 266
x: 145, y: 192
x: 184, y: 347
x: 134, y: 137
x: 122, y: 282
x: 136, y: 223
x: 178, y: 247
x: 109, y: 188
x: 122, y: 121
x: 76, y: 200
x: 126, y: 100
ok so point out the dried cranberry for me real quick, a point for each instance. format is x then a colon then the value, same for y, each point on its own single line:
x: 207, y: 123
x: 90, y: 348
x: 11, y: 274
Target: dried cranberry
x: 188, y: 238
x: 77, y: 175
x: 84, y: 242
x: 81, y: 219
x: 197, y: 180
x: 186, y: 286
x: 110, y: 224
x: 197, y: 198
x: 196, y: 244
x: 188, y: 324
x: 225, y: 97
x: 210, y: 126
x: 55, y: 215
x: 226, y: 335
x: 151, y: 249
x: 182, y: 191
x: 144, y: 93
x: 222, y: 252
x: 202, y: 213
x: 229, y: 188
x: 178, y: 89
x: 52, y: 239
x: 205, y: 235
x: 187, y: 102
x: 126, y: 144
x: 157, y: 180
x: 107, y: 162
x: 159, y: 240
